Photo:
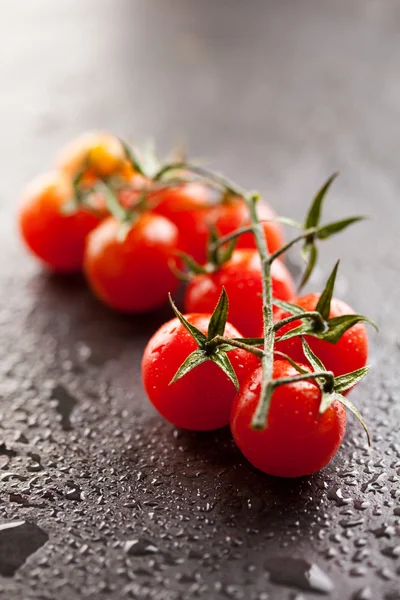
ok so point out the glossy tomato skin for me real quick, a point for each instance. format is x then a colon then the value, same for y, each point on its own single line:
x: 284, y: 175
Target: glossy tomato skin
x: 234, y: 214
x: 55, y: 238
x: 350, y: 352
x: 190, y: 207
x: 297, y: 441
x: 98, y: 154
x: 241, y: 277
x: 132, y: 274
x: 202, y: 399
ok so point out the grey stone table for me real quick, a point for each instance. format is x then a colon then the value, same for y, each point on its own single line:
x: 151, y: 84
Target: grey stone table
x: 114, y: 502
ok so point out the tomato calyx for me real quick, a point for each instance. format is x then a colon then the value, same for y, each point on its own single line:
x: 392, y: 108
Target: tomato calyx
x: 333, y: 390
x: 317, y: 323
x: 217, y: 255
x: 312, y: 231
x: 213, y: 346
x: 331, y: 387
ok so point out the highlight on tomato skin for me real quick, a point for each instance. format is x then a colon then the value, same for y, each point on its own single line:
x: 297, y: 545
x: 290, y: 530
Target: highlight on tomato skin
x: 202, y: 399
x: 98, y: 154
x: 348, y: 354
x: 56, y: 238
x: 241, y: 276
x: 234, y: 214
x: 132, y: 273
x: 297, y: 440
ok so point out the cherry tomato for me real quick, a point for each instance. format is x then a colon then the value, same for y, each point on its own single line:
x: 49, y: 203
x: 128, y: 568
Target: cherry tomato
x: 234, y: 214
x: 98, y: 154
x: 132, y: 274
x: 241, y: 276
x: 190, y: 207
x: 57, y: 239
x: 297, y: 440
x: 348, y: 354
x: 202, y: 399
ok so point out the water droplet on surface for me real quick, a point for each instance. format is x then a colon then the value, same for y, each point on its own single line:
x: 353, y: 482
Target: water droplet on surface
x: 362, y: 504
x: 140, y: 547
x: 384, y: 530
x: 364, y: 594
x: 337, y: 496
x: 358, y: 571
x: 18, y: 540
x: 386, y: 574
x: 351, y: 523
x: 392, y: 552
x: 74, y: 492
x: 299, y: 573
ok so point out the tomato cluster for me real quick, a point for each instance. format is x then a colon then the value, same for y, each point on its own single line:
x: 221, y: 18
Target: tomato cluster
x: 248, y: 352
x: 128, y: 264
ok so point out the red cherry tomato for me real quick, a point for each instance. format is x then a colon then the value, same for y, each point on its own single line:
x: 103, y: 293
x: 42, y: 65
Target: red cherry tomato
x: 241, y: 277
x: 350, y: 352
x: 234, y: 214
x: 297, y: 440
x: 202, y: 399
x: 132, y: 274
x: 189, y: 206
x: 56, y: 238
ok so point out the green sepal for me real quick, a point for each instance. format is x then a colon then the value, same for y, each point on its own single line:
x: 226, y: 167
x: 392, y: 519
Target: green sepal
x: 315, y: 362
x: 345, y: 382
x: 196, y: 358
x: 352, y: 408
x: 193, y: 266
x: 251, y: 341
x: 324, y: 302
x: 217, y: 322
x: 304, y: 329
x: 211, y: 248
x: 341, y: 383
x: 314, y: 214
x: 309, y: 251
x: 224, y: 253
x: 337, y: 326
x: 310, y: 255
x: 222, y: 361
x: 132, y: 158
x: 326, y: 231
x: 197, y: 335
x: 293, y: 309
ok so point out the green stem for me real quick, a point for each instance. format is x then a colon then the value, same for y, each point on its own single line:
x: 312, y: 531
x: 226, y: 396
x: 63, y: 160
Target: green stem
x: 218, y: 340
x: 230, y: 236
x: 292, y: 242
x: 327, y: 375
x: 313, y: 314
x: 212, y: 177
x: 267, y: 361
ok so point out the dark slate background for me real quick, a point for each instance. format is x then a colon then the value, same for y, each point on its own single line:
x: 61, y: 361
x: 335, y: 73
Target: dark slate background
x: 278, y: 95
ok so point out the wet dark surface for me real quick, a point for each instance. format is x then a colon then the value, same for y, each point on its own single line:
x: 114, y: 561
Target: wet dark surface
x: 278, y: 95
